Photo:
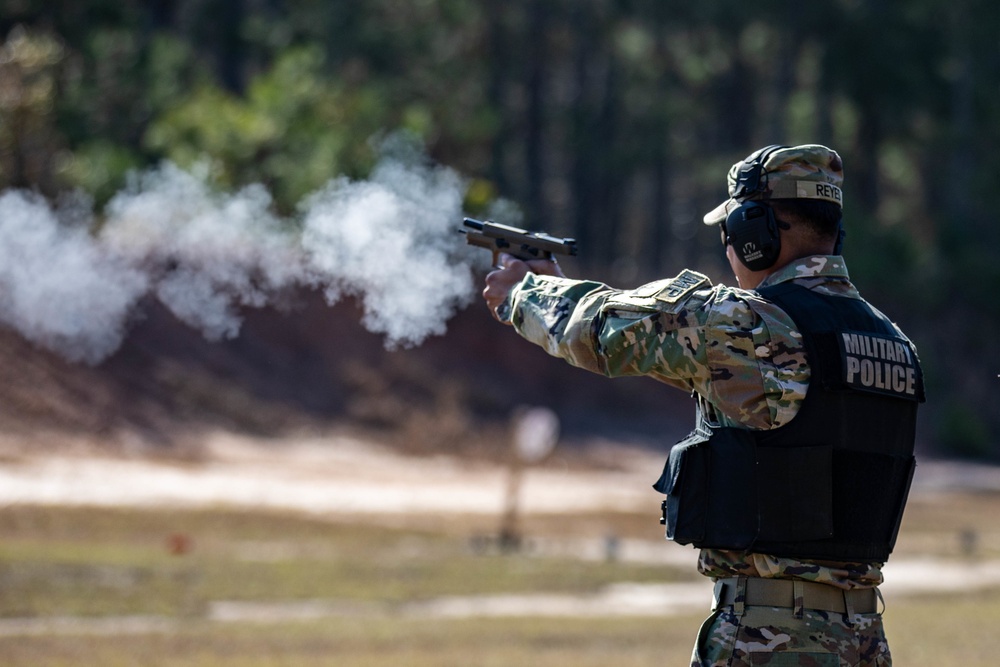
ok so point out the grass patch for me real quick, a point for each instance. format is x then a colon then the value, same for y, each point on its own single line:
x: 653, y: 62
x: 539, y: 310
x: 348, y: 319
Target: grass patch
x: 944, y: 630
x: 94, y: 563
x: 72, y: 561
x: 925, y: 632
x: 378, y: 643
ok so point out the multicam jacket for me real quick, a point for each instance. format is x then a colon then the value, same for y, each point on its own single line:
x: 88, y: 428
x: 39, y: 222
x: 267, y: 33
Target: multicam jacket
x: 739, y: 354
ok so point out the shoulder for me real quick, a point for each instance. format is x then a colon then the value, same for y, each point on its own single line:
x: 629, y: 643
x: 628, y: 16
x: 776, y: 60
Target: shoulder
x: 691, y: 300
x: 663, y: 294
x: 688, y: 291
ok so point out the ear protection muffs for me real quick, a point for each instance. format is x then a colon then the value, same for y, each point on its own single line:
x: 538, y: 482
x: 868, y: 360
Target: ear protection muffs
x: 751, y: 228
x: 753, y: 232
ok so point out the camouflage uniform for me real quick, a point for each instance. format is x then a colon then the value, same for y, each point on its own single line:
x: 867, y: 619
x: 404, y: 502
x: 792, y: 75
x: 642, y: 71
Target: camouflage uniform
x: 774, y: 636
x: 744, y: 360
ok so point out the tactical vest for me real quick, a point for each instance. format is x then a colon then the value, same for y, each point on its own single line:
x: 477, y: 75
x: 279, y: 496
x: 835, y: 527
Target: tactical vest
x: 829, y: 485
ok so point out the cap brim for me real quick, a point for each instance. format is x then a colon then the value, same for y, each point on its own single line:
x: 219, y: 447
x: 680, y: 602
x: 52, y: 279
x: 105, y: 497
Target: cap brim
x: 719, y: 213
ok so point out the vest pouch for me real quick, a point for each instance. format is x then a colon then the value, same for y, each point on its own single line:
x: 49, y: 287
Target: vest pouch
x: 685, y: 483
x: 709, y: 484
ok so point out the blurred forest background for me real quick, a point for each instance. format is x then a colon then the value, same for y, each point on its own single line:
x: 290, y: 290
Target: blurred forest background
x: 613, y: 121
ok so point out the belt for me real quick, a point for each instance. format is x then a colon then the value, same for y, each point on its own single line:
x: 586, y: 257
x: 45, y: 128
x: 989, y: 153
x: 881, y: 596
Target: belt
x: 783, y: 593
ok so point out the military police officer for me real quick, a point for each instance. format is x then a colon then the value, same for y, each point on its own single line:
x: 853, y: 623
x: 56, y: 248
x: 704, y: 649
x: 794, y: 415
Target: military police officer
x: 793, y: 482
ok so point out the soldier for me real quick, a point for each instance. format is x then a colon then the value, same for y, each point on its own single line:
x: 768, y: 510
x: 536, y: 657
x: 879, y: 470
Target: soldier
x: 793, y: 483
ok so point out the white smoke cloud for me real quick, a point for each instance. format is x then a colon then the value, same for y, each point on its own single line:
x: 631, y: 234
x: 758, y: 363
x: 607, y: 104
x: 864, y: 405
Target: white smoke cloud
x: 58, y: 287
x: 207, y: 253
x: 389, y: 241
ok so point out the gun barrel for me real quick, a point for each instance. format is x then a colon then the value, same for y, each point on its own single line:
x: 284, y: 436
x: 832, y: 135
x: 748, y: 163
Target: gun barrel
x: 521, y: 243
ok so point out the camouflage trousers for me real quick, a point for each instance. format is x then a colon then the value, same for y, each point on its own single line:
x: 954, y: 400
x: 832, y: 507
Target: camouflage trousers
x: 775, y: 636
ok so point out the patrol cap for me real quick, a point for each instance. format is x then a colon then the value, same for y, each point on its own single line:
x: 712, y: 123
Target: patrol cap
x: 809, y: 171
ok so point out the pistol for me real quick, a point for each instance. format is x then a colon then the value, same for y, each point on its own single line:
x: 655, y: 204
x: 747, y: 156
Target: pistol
x: 519, y: 243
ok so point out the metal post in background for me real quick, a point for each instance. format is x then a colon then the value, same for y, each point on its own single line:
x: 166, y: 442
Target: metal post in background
x: 534, y: 434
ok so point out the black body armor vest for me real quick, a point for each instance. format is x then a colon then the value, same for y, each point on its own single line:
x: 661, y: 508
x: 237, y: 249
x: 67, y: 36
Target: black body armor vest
x: 829, y: 485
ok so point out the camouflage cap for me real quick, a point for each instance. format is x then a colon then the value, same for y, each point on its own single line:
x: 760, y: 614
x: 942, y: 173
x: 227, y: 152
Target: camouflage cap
x: 810, y: 171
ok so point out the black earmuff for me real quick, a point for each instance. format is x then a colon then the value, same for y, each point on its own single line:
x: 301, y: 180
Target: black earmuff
x: 753, y: 232
x: 751, y: 228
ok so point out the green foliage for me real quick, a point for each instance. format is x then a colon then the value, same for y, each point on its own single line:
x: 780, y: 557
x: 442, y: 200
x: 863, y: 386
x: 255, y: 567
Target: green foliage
x: 293, y: 129
x: 99, y: 168
x: 877, y: 251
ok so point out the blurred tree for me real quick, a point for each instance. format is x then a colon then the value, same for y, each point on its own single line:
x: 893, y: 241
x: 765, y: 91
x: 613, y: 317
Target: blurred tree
x: 29, y: 137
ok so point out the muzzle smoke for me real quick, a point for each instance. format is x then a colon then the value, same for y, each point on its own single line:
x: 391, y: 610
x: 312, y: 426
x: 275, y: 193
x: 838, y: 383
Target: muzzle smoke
x: 389, y: 242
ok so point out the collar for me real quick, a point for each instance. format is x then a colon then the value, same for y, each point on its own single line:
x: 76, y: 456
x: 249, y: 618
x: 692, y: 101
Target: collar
x: 813, y: 266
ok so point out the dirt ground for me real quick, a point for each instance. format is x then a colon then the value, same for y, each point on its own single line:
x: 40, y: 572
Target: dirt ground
x: 342, y: 476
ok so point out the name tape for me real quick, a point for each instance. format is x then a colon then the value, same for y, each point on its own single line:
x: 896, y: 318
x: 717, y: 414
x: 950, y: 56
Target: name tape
x: 815, y: 190
x: 807, y: 190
